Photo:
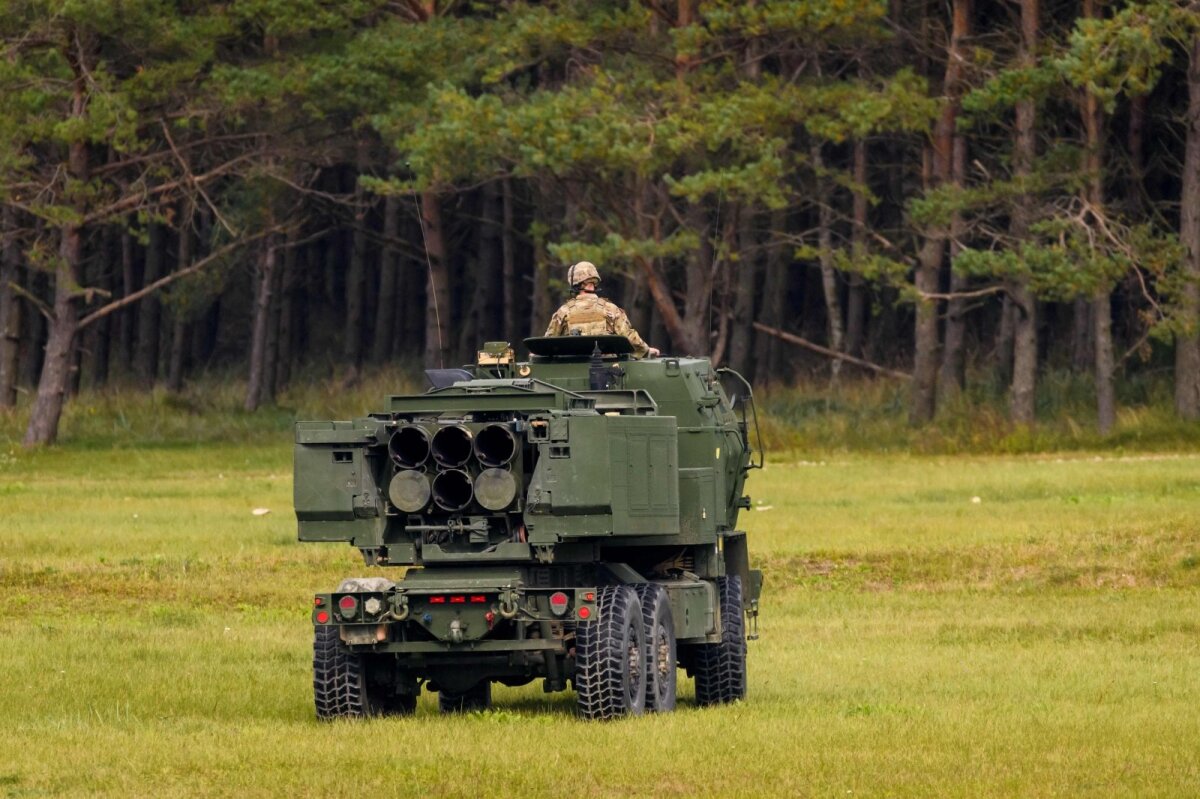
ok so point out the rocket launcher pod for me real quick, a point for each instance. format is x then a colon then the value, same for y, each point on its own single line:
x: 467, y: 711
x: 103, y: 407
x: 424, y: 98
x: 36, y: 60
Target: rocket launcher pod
x: 452, y: 489
x: 409, y: 447
x: 495, y: 445
x: 451, y: 448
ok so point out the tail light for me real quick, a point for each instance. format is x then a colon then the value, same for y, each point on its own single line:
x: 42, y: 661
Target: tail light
x: 347, y: 606
x: 558, y: 603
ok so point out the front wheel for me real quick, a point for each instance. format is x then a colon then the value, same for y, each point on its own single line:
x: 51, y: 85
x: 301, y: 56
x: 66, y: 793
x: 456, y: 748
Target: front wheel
x: 610, y: 655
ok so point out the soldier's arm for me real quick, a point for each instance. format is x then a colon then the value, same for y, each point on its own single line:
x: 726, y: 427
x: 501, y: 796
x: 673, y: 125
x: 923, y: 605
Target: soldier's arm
x: 555, y: 326
x: 640, y: 348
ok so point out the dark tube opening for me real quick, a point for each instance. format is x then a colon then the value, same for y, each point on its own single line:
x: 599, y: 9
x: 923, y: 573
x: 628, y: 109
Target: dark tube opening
x: 452, y: 445
x: 495, y: 445
x: 409, y: 447
x: 452, y: 489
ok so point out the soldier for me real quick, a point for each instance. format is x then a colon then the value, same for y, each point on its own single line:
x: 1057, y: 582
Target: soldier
x: 586, y: 314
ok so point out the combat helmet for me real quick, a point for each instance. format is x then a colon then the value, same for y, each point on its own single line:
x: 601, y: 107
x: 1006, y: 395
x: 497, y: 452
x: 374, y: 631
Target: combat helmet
x: 582, y: 272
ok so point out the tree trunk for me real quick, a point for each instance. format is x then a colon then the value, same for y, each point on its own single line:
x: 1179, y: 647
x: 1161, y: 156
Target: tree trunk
x: 389, y: 266
x: 10, y: 309
x: 437, y: 314
x: 179, y: 347
x: 127, y: 317
x: 1106, y: 401
x: 1083, y: 351
x: 664, y: 302
x: 1101, y: 311
x: 541, y: 308
x: 60, y: 345
x: 829, y: 281
x: 512, y: 318
x: 56, y: 368
x: 35, y: 328
x: 1003, y: 351
x: 270, y: 372
x: 1187, y: 342
x: 929, y: 260
x: 179, y: 332
x: 352, y: 350
x: 954, y: 367
x: 259, y: 332
x: 1024, y: 379
x: 925, y: 333
x: 768, y: 355
x: 286, y: 334
x: 698, y: 293
x: 150, y: 312
x: 856, y: 300
x: 476, y: 325
x: 412, y: 293
x: 1137, y: 151
x: 99, y: 335
x: 745, y: 279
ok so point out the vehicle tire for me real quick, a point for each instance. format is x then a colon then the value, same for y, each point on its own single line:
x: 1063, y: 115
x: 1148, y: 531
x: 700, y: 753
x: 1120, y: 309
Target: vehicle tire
x: 350, y: 685
x: 720, y: 669
x: 610, y: 656
x: 477, y: 697
x: 661, y: 659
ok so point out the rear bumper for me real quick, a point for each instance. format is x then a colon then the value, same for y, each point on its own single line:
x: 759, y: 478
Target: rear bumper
x: 452, y: 619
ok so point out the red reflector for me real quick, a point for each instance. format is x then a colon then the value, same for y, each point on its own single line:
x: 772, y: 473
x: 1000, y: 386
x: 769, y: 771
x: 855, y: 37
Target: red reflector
x: 347, y: 603
x: 558, y: 603
x: 437, y: 600
x: 322, y: 617
x: 478, y: 599
x: 458, y: 600
x: 590, y: 596
x: 318, y: 601
x: 584, y: 613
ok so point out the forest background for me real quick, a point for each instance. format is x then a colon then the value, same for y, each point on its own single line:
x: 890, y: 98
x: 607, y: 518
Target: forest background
x: 971, y: 197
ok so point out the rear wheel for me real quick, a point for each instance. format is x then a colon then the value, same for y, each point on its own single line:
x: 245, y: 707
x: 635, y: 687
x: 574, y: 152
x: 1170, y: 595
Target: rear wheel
x: 477, y: 697
x: 610, y: 655
x: 660, y: 648
x: 347, y: 684
x: 720, y: 668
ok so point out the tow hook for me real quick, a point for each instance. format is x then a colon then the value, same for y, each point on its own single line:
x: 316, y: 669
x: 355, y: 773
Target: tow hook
x: 456, y: 632
x: 508, y: 605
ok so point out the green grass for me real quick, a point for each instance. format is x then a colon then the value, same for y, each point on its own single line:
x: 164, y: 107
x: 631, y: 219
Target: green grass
x: 806, y: 420
x: 1042, y: 641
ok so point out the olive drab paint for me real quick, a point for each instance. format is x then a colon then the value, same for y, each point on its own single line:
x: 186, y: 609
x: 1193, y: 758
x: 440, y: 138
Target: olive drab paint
x: 571, y: 518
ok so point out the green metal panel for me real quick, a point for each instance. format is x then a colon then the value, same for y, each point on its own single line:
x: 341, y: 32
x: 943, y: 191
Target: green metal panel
x: 644, y: 475
x: 692, y: 606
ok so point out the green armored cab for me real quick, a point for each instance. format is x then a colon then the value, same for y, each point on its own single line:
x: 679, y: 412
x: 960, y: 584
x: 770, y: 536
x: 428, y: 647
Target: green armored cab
x: 571, y: 519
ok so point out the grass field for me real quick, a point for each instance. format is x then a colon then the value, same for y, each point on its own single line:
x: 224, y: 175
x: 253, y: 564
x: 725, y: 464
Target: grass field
x: 1040, y: 640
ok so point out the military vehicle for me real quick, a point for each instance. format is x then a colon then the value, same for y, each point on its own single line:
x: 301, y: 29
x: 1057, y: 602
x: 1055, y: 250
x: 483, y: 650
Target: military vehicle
x: 570, y: 518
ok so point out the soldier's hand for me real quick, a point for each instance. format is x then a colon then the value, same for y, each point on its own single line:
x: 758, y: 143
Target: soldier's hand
x: 654, y: 352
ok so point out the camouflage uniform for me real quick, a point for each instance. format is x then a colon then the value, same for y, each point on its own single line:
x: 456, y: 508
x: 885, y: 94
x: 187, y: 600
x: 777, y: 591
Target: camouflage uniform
x: 594, y: 316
